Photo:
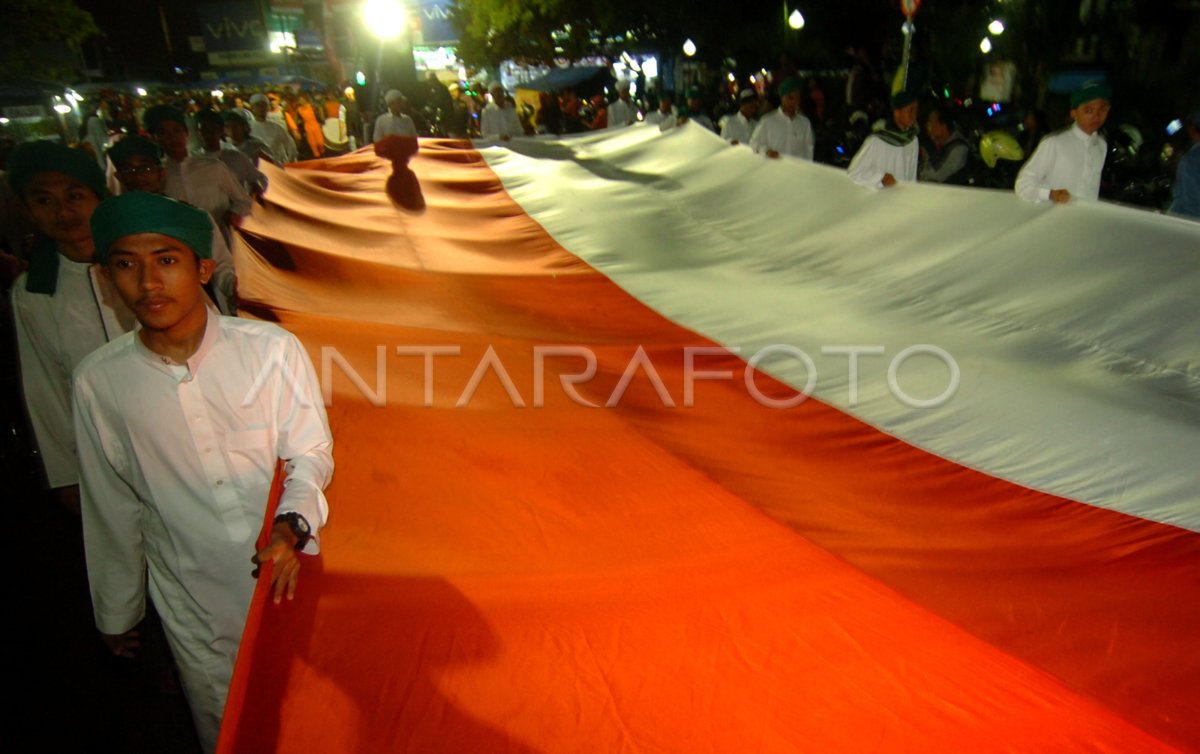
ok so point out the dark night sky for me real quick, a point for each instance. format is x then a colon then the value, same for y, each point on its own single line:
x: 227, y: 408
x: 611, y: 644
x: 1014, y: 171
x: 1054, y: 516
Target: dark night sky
x: 134, y: 46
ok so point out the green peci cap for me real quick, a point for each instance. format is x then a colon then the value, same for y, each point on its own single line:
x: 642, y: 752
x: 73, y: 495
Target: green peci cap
x: 34, y: 157
x: 142, y: 212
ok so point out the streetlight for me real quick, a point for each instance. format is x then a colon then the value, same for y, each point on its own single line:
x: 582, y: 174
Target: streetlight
x: 986, y: 45
x: 689, y: 48
x: 996, y: 27
x: 385, y: 18
x: 62, y: 108
x: 796, y: 20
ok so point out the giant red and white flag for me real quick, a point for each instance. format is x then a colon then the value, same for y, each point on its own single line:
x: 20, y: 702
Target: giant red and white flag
x: 580, y: 506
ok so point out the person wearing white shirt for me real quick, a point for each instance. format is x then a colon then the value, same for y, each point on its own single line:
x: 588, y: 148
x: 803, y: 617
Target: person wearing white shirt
x: 212, y: 134
x: 180, y: 427
x: 273, y: 134
x: 1067, y: 164
x: 237, y: 127
x: 499, y: 119
x: 63, y: 308
x: 395, y: 122
x: 623, y: 111
x: 694, y: 111
x: 891, y: 154
x: 665, y: 117
x: 785, y: 130
x: 138, y: 164
x: 96, y: 131
x: 199, y: 180
x: 737, y: 128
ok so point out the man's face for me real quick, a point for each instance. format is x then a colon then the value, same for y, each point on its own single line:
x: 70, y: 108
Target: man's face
x: 498, y: 97
x: 260, y: 110
x: 172, y: 137
x: 140, y: 173
x: 61, y: 207
x: 906, y: 116
x: 749, y: 108
x: 936, y: 129
x: 398, y: 106
x: 159, y: 279
x: 664, y: 105
x: 1090, y: 116
x: 790, y: 102
x: 211, y: 133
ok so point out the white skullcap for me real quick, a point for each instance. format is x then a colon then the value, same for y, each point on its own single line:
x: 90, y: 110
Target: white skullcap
x: 259, y: 97
x: 393, y: 95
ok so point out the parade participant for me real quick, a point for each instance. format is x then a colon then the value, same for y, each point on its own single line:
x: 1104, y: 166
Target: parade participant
x: 1067, y: 164
x: 96, y: 131
x: 199, y: 180
x: 695, y: 110
x: 1187, y: 175
x: 785, y: 130
x: 737, y: 128
x: 63, y: 308
x: 947, y: 162
x: 212, y: 134
x: 665, y: 116
x: 396, y: 121
x: 179, y: 427
x: 499, y: 119
x: 274, y: 135
x: 138, y: 165
x: 623, y: 111
x: 314, y: 137
x: 237, y: 127
x: 891, y: 154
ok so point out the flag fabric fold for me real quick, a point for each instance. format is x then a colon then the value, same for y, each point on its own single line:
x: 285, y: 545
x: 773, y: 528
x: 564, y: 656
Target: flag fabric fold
x: 578, y: 508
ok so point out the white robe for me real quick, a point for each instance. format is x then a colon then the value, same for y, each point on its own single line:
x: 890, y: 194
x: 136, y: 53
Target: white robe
x: 876, y: 158
x: 500, y: 121
x: 737, y: 128
x: 1068, y: 159
x: 393, y: 125
x: 206, y: 183
x: 790, y: 136
x: 54, y: 334
x: 276, y: 137
x: 176, y: 463
x: 621, y: 114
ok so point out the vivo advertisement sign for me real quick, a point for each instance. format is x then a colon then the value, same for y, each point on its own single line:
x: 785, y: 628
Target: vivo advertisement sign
x: 234, y: 33
x: 435, y: 19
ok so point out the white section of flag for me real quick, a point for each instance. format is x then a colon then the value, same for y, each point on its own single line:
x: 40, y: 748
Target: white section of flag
x: 1075, y: 327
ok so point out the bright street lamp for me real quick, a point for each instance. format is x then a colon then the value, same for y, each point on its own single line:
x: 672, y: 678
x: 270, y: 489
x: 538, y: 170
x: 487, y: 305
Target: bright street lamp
x: 689, y: 48
x: 796, y: 20
x: 385, y: 18
x: 996, y: 27
x: 62, y: 108
x: 986, y: 45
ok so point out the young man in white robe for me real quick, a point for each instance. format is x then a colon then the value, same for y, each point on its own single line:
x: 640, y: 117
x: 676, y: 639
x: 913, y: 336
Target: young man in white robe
x: 179, y: 426
x: 63, y: 308
x: 1067, y: 164
x: 892, y: 154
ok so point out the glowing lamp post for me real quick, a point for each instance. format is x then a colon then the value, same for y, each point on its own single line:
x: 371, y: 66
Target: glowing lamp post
x: 386, y: 19
x: 796, y: 20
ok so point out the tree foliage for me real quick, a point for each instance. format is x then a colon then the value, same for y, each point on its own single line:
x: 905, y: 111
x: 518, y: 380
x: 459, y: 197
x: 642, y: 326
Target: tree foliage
x: 32, y: 28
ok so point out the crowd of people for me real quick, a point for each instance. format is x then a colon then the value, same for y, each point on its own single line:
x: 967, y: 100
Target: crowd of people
x: 126, y: 362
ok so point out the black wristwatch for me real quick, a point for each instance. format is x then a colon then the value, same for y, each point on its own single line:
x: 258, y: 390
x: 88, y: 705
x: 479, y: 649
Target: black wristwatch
x: 299, y: 527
